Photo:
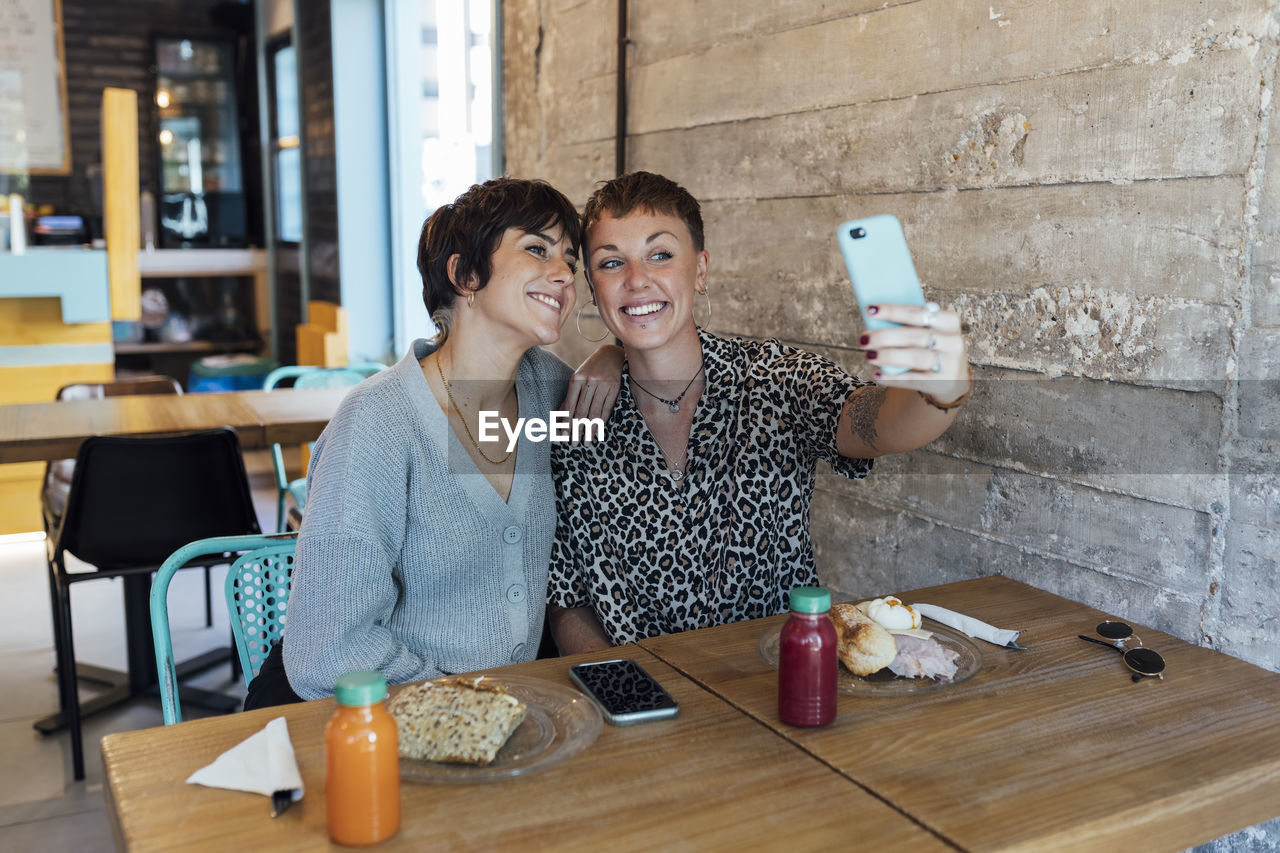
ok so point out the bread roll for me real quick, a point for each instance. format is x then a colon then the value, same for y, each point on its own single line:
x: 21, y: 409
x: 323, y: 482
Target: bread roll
x: 864, y: 646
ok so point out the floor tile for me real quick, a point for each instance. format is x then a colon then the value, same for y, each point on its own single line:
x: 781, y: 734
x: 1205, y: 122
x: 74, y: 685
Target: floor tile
x: 84, y: 832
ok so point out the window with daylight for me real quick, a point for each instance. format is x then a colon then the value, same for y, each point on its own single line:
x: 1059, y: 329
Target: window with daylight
x: 285, y: 150
x: 457, y: 98
x: 444, y: 124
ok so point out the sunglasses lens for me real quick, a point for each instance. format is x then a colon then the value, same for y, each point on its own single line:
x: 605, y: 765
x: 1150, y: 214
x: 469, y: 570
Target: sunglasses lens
x: 1144, y: 661
x: 1114, y: 630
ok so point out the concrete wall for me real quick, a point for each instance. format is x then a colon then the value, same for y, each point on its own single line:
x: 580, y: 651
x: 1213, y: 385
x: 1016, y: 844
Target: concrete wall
x: 1089, y: 183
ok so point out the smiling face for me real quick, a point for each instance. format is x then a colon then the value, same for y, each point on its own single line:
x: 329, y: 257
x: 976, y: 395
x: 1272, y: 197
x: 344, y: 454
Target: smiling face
x: 645, y: 272
x: 530, y: 290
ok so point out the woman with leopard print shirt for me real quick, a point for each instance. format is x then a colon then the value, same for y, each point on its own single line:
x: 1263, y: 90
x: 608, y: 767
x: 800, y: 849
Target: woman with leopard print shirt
x: 694, y: 510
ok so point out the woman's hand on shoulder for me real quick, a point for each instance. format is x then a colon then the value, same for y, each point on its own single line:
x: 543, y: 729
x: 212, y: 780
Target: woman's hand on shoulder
x: 927, y: 342
x: 593, y: 388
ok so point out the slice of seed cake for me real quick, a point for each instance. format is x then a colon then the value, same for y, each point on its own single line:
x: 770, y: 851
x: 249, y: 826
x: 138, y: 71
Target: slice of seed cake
x: 459, y: 720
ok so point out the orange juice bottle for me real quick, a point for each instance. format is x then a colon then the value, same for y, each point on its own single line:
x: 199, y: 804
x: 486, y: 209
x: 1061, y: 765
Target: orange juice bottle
x: 362, y: 763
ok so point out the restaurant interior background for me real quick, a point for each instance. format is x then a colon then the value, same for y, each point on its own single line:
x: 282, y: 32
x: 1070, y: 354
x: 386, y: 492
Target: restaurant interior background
x: 1087, y: 182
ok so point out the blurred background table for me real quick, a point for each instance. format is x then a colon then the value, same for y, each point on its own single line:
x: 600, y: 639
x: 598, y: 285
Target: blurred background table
x: 31, y: 432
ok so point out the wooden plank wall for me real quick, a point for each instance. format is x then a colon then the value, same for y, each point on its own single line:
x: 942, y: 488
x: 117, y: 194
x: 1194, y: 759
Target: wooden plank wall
x: 1088, y: 182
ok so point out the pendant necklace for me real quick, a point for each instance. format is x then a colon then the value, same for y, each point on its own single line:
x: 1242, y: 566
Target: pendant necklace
x: 674, y: 469
x: 673, y: 405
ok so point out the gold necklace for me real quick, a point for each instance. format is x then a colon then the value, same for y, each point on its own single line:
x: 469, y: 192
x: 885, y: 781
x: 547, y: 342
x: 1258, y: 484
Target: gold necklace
x: 448, y: 390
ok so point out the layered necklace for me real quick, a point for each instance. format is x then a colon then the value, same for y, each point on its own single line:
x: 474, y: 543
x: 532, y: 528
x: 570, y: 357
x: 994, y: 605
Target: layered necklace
x: 675, y: 469
x: 449, y: 390
x: 673, y: 405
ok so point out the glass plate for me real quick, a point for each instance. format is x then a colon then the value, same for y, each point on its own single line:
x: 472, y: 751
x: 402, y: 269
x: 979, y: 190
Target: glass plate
x: 884, y: 682
x: 560, y: 722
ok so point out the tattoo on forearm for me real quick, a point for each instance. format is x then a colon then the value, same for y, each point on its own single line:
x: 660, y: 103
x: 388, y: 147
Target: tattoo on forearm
x: 864, y: 408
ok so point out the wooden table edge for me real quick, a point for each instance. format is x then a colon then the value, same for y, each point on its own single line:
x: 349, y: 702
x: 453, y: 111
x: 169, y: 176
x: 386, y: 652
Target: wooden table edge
x: 1067, y: 840
x: 782, y: 734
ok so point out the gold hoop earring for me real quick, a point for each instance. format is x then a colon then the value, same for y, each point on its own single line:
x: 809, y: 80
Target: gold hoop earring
x: 578, y: 322
x: 471, y: 299
x: 706, y: 293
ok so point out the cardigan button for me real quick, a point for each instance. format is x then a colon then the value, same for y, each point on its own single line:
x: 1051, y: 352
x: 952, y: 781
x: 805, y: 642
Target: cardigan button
x: 515, y: 593
x: 512, y: 534
x: 518, y: 655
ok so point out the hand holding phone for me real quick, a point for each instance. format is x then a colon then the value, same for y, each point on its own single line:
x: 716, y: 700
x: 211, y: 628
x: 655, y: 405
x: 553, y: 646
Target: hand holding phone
x: 880, y: 268
x: 625, y: 693
x: 930, y: 344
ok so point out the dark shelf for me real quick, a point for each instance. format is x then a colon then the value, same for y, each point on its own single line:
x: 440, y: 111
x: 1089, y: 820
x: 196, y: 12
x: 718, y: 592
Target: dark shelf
x: 144, y: 348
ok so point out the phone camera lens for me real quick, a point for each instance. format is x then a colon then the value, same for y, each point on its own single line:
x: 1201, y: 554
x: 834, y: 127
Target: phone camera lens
x: 857, y: 233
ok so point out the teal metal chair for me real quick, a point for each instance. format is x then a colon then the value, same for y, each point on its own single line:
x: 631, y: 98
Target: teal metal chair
x: 257, y: 592
x: 305, y: 376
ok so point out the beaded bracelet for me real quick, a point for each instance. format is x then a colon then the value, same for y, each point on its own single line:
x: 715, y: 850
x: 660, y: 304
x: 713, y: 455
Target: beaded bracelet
x: 946, y: 407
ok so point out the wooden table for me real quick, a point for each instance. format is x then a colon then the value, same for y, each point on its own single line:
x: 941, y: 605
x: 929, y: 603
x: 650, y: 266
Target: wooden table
x: 710, y: 778
x: 292, y: 416
x: 1051, y: 748
x: 34, y: 432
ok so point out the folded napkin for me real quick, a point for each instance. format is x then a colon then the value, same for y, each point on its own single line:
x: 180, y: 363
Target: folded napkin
x: 263, y: 763
x: 969, y: 625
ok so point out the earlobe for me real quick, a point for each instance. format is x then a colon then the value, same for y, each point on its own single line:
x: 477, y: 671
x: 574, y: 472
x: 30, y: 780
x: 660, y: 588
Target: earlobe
x: 703, y: 264
x: 462, y: 289
x: 452, y: 267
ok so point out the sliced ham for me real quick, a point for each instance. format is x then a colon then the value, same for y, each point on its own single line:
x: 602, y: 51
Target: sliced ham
x: 919, y: 658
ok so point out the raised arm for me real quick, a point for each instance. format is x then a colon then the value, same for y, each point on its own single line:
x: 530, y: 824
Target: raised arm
x: 904, y: 411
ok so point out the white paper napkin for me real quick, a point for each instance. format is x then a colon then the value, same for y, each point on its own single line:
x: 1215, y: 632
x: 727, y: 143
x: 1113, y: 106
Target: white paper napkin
x: 969, y: 625
x: 263, y: 763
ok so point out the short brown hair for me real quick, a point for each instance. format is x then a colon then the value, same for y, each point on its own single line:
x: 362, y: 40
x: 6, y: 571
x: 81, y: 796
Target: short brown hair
x: 644, y: 191
x: 473, y: 225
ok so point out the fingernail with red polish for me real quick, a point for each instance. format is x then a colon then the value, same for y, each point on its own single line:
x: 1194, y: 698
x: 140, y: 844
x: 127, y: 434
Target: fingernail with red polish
x: 877, y: 375
x: 864, y: 340
x: 873, y: 309
x: 871, y: 353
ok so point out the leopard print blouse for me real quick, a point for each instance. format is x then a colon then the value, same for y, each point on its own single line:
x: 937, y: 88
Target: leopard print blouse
x: 655, y: 556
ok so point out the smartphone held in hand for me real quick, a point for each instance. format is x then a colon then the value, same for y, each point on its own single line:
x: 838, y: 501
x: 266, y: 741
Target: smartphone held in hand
x: 879, y: 264
x: 624, y: 692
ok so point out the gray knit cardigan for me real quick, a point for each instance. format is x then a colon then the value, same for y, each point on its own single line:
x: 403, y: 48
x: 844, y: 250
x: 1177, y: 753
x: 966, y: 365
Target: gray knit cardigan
x: 408, y: 561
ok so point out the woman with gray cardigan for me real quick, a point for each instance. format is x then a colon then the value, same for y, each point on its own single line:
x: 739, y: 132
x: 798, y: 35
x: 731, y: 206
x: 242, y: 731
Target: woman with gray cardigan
x: 424, y: 550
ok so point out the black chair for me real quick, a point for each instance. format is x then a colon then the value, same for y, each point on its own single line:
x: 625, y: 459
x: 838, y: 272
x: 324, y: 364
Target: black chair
x: 58, y: 473
x: 132, y: 503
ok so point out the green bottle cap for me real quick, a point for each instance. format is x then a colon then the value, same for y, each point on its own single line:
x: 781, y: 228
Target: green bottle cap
x: 810, y: 599
x: 357, y: 689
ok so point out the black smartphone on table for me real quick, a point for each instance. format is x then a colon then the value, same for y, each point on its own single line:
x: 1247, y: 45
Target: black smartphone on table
x: 624, y: 692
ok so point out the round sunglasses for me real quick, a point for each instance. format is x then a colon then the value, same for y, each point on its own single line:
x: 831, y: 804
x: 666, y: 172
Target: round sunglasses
x: 1144, y: 662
